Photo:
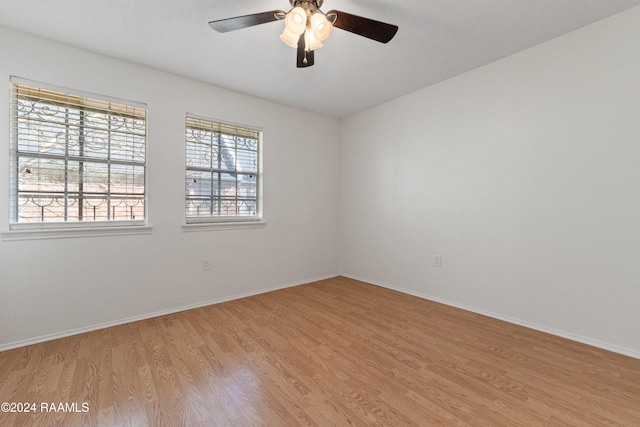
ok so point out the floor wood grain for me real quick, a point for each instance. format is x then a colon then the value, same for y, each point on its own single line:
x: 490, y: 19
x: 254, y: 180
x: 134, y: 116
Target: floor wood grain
x: 334, y: 352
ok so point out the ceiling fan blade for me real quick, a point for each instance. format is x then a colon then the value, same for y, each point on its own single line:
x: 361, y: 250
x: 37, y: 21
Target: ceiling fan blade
x: 238, y: 22
x: 304, y: 58
x: 374, y: 30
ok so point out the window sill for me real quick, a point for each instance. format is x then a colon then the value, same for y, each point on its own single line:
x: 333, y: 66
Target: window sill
x: 68, y: 233
x: 210, y: 226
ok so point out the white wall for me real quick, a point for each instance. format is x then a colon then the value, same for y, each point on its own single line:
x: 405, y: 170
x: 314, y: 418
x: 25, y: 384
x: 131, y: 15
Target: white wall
x: 50, y: 287
x: 524, y: 175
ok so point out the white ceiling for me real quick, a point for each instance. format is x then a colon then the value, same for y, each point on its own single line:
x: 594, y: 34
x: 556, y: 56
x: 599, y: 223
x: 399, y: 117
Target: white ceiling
x: 437, y: 39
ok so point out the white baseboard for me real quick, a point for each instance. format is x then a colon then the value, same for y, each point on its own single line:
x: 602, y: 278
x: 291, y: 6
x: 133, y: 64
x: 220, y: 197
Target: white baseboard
x: 559, y: 333
x: 71, y: 332
x: 552, y: 331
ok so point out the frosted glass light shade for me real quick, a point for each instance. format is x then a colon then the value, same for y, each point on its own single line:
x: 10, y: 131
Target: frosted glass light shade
x: 289, y: 38
x: 296, y: 20
x: 321, y: 27
x: 311, y: 43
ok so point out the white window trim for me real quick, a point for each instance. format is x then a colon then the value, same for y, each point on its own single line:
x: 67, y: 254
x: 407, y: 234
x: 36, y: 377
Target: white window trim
x: 74, y: 232
x: 232, y: 222
x: 58, y: 230
x: 214, y: 226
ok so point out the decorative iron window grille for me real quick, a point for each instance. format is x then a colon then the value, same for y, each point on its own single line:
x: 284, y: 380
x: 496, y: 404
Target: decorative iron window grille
x: 76, y: 159
x: 222, y: 172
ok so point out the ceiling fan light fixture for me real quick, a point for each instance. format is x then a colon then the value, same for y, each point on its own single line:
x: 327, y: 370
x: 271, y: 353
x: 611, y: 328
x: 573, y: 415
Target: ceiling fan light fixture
x: 307, y: 26
x: 296, y: 20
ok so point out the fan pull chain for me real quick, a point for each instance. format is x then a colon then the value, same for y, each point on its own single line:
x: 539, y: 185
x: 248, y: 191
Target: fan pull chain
x: 306, y: 45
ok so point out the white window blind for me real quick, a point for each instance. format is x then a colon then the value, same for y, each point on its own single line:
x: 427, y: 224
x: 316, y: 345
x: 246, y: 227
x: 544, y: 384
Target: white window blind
x: 75, y: 158
x: 222, y: 172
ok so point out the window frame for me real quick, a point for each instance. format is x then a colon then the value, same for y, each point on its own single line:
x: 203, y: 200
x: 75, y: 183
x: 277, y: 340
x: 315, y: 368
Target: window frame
x: 66, y: 228
x: 193, y: 223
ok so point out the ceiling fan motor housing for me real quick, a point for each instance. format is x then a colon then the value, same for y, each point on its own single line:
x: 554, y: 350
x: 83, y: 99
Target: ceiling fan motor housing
x: 309, y: 6
x: 316, y: 3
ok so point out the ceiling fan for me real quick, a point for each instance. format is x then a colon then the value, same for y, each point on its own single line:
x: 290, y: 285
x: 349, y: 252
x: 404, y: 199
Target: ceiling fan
x: 306, y: 26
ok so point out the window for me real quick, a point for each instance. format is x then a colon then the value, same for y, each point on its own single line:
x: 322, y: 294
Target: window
x: 76, y: 159
x: 222, y: 172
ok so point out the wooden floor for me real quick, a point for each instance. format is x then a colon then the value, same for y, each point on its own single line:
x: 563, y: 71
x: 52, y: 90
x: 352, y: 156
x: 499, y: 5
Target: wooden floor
x: 334, y: 352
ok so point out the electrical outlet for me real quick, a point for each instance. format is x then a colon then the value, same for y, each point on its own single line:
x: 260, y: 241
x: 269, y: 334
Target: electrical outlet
x: 437, y: 261
x: 205, y: 264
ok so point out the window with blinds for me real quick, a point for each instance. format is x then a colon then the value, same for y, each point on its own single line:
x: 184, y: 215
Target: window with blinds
x: 76, y: 158
x: 222, y: 172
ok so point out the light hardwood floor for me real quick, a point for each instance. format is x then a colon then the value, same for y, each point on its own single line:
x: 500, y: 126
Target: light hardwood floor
x: 334, y: 352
